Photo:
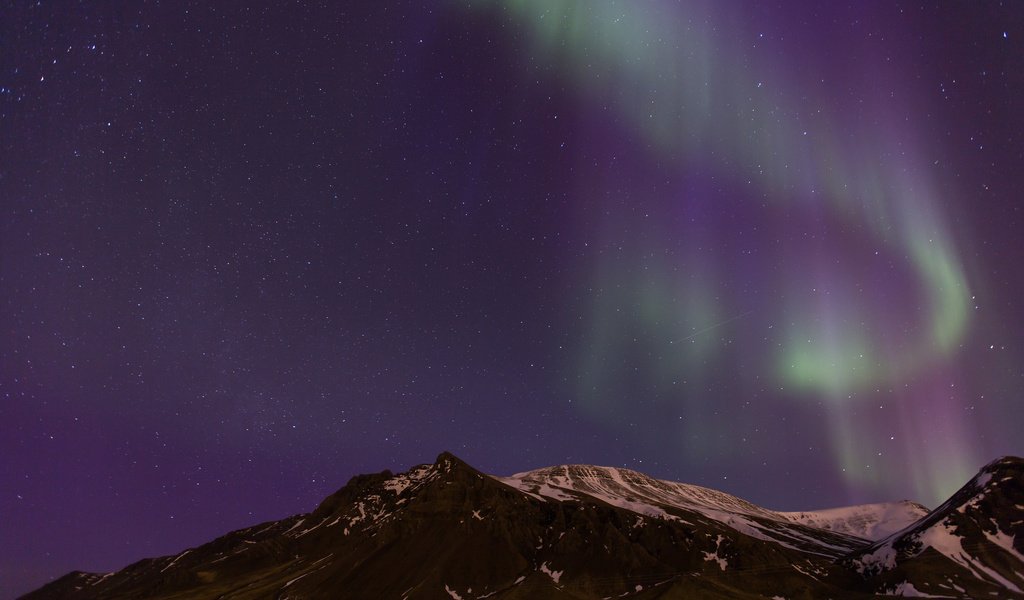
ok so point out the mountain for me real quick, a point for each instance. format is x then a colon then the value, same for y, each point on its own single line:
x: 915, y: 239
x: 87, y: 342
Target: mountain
x: 868, y: 521
x: 445, y: 530
x: 644, y: 495
x: 972, y: 545
x: 641, y: 493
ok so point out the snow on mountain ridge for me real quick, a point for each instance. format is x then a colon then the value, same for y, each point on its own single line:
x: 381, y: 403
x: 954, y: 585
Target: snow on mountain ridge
x: 626, y: 488
x: 869, y: 521
x: 828, y: 535
x: 614, y: 485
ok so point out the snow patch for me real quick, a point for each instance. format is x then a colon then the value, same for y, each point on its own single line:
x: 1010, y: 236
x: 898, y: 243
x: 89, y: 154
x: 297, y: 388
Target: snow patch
x: 413, y: 479
x: 452, y: 592
x: 305, y: 531
x: 267, y: 528
x: 99, y: 579
x: 297, y: 523
x: 1004, y: 541
x: 942, y: 539
x: 883, y: 558
x: 397, y: 485
x: 294, y: 580
x: 809, y: 571
x: 554, y: 575
x: 176, y: 559
x: 907, y: 590
x: 713, y: 556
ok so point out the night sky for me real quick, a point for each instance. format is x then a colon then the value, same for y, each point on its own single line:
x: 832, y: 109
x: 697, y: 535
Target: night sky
x: 247, y: 252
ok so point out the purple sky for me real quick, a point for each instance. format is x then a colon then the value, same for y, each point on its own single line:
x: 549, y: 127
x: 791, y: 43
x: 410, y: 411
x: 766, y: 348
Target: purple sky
x: 247, y: 252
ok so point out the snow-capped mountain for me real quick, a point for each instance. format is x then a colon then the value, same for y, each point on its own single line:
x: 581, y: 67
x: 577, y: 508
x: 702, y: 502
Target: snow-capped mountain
x: 869, y: 521
x: 645, y: 495
x: 972, y: 542
x: 446, y: 530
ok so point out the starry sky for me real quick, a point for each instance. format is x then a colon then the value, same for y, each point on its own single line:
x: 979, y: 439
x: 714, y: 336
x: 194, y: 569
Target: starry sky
x: 248, y: 250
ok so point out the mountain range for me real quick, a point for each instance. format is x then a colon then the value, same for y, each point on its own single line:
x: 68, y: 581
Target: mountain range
x: 446, y: 530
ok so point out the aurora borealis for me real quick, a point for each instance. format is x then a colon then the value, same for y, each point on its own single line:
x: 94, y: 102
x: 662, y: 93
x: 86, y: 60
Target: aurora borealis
x: 700, y: 93
x: 247, y: 252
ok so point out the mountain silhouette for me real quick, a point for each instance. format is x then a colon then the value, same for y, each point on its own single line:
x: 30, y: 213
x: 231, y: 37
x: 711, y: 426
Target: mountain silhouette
x: 446, y: 530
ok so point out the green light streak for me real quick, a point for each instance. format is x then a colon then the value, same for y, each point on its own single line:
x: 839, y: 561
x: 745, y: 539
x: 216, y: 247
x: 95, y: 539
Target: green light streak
x: 688, y: 92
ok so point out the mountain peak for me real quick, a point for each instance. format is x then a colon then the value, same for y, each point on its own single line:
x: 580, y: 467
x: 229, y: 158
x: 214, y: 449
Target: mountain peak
x: 1003, y: 463
x: 446, y: 460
